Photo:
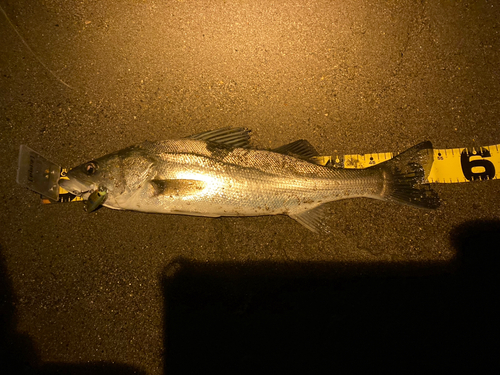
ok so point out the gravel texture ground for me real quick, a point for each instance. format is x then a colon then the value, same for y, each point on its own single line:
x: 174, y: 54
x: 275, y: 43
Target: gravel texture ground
x: 126, y: 292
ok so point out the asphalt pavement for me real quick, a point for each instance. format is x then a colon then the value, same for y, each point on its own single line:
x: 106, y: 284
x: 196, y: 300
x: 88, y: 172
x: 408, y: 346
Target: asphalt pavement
x: 391, y: 287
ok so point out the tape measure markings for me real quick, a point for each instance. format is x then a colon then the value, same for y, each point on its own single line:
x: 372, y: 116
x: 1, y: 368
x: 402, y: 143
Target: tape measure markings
x: 452, y: 165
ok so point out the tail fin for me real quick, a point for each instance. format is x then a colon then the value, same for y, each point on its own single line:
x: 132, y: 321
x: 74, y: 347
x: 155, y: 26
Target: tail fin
x: 405, y: 177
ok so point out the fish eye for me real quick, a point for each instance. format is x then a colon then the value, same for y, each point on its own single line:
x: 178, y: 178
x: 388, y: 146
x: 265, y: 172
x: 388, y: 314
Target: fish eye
x: 90, y: 168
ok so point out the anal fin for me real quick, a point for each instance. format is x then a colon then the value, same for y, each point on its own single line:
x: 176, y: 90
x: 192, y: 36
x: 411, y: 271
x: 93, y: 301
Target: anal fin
x: 313, y: 219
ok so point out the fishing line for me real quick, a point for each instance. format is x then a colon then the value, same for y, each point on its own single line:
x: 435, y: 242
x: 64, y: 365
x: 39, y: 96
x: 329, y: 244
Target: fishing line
x: 32, y: 52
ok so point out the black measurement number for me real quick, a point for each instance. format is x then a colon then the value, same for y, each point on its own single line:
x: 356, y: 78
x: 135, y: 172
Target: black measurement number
x: 474, y: 167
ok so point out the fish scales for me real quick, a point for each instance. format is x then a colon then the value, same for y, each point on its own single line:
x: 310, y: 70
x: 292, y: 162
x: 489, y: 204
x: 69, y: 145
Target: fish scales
x: 258, y: 176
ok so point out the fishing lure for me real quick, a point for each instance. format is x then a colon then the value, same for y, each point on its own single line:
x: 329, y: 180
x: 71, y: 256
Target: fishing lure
x: 96, y: 199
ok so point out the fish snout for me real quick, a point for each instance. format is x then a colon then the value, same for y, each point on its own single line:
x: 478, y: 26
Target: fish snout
x: 74, y: 186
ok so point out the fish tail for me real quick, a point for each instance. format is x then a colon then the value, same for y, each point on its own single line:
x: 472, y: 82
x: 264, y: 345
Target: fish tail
x: 405, y: 177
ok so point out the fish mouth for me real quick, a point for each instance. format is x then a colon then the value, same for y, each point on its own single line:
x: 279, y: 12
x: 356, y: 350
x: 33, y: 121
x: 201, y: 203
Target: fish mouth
x: 76, y: 187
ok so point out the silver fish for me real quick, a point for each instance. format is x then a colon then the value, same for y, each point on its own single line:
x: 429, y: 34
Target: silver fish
x: 215, y: 173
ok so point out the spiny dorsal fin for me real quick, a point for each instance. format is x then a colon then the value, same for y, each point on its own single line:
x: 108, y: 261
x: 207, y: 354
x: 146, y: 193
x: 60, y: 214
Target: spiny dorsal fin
x: 300, y: 148
x: 234, y: 137
x: 172, y: 187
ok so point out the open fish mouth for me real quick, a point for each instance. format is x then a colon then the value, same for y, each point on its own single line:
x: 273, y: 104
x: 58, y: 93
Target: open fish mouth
x: 76, y: 187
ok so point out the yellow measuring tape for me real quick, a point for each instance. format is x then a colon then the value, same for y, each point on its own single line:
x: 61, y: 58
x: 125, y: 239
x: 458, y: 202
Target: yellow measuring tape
x: 451, y: 165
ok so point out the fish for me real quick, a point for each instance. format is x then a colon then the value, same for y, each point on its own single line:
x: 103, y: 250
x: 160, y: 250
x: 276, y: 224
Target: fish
x: 216, y: 173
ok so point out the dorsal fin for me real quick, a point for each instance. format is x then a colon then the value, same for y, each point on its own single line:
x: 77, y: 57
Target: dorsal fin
x: 234, y: 137
x: 300, y: 148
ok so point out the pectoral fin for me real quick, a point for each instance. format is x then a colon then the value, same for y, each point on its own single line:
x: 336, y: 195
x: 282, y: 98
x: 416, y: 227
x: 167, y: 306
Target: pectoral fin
x: 313, y: 219
x: 174, y: 187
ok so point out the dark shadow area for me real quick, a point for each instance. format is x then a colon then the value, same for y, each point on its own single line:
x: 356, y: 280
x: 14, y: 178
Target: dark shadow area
x: 264, y: 317
x: 18, y: 354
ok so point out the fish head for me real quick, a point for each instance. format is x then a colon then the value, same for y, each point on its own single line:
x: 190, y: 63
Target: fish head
x: 119, y: 174
x: 99, y: 174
